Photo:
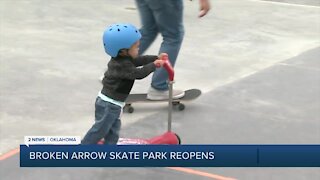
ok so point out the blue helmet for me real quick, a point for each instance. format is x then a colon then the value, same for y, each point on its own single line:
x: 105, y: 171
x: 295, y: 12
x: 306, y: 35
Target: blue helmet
x: 119, y: 36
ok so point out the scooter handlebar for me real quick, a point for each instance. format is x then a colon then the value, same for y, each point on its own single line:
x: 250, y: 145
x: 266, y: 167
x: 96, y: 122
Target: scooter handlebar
x: 167, y: 65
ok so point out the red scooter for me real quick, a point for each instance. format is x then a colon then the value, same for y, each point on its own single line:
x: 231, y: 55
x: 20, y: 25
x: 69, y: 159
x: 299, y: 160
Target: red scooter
x: 168, y: 137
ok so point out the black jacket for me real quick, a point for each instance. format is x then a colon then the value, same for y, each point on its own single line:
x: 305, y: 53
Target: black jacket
x: 122, y: 72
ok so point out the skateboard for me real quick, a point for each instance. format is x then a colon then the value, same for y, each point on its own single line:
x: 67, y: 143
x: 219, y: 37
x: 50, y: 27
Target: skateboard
x: 190, y: 95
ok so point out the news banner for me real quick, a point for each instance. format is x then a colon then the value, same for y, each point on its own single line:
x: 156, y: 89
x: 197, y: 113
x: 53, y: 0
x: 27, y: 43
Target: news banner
x: 66, y: 151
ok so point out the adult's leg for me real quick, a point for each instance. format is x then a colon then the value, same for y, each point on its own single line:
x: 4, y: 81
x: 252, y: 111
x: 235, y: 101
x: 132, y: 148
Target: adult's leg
x: 149, y: 28
x: 169, y: 20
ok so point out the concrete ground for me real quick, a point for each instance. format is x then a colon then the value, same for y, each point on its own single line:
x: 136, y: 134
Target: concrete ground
x: 257, y: 63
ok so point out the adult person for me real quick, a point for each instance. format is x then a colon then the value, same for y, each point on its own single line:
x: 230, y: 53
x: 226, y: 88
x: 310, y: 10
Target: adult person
x: 164, y: 17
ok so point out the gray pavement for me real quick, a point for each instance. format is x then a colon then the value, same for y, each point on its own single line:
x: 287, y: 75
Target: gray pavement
x: 299, y: 2
x: 262, y: 84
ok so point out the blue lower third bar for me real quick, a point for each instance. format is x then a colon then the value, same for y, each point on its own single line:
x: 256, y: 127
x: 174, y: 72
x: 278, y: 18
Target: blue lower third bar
x: 170, y: 156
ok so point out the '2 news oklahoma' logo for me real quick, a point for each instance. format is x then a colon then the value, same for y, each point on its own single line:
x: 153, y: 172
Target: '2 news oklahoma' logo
x: 40, y: 140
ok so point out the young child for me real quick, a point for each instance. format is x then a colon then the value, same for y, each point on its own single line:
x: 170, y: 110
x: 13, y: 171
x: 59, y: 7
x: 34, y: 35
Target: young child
x: 121, y: 42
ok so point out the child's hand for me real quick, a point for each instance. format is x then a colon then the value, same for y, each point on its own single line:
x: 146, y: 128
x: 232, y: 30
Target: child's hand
x: 159, y: 63
x: 162, y: 55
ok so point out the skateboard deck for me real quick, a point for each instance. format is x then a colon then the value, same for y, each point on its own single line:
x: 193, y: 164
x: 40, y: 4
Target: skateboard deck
x: 190, y: 95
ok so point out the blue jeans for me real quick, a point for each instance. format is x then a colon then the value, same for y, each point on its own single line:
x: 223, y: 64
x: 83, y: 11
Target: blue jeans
x: 165, y: 17
x: 107, y: 124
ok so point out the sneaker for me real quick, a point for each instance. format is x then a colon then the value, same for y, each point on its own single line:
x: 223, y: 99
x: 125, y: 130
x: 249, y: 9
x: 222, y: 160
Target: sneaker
x: 155, y: 94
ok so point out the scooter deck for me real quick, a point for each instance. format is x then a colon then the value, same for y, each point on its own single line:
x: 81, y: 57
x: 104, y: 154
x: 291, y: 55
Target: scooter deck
x: 166, y: 138
x: 128, y: 141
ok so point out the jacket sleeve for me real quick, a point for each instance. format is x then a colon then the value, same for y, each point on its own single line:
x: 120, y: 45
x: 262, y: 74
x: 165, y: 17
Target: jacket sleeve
x: 143, y: 60
x: 139, y: 72
x: 129, y: 71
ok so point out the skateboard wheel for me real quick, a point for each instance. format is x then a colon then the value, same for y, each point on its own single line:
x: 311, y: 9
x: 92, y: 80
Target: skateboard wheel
x: 181, y: 107
x: 130, y: 109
